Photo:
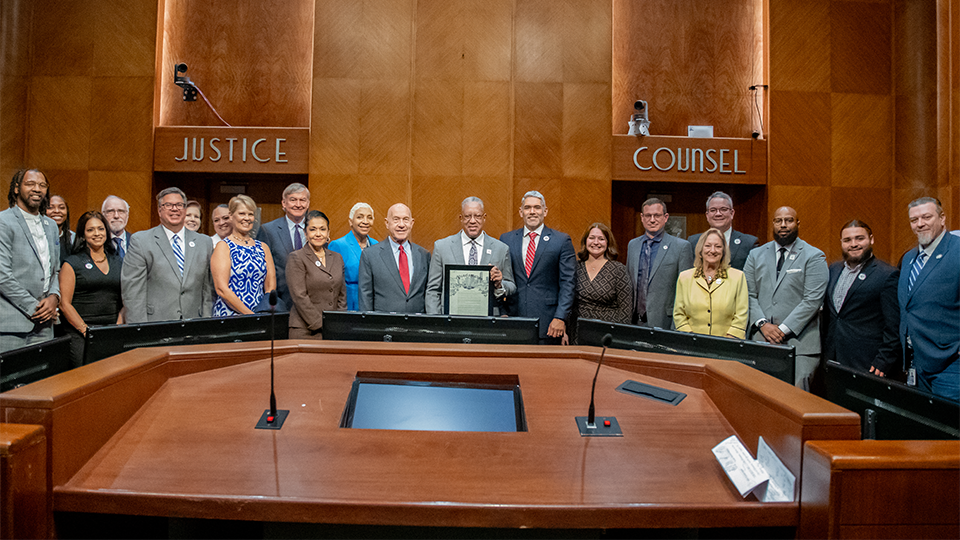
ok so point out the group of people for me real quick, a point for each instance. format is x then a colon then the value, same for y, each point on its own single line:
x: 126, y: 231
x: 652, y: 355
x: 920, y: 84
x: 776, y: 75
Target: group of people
x: 860, y: 312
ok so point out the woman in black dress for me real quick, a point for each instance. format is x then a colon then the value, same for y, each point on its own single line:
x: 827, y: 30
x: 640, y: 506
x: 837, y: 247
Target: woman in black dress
x: 90, y: 283
x: 603, y: 288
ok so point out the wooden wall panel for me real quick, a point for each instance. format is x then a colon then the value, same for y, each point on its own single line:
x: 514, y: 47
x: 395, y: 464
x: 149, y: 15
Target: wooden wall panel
x: 538, y: 130
x: 59, y: 122
x: 63, y: 36
x: 538, y: 27
x: 126, y: 38
x: 14, y: 84
x: 438, y: 128
x: 385, y: 127
x: 861, y: 140
x: 860, y: 53
x: 586, y: 142
x: 487, y: 129
x: 71, y: 184
x: 800, y: 148
x: 799, y: 45
x: 121, y: 124
x: 335, y: 126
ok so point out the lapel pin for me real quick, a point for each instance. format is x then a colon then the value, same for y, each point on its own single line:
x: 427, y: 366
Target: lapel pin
x: 191, y: 244
x: 862, y: 277
x: 793, y: 256
x: 665, y: 247
x: 719, y: 281
x: 489, y: 252
x: 546, y: 238
x: 939, y: 256
x: 736, y: 241
x: 88, y: 266
x: 318, y: 264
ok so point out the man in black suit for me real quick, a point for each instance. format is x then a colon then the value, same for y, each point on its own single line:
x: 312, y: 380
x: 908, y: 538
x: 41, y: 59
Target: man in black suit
x: 544, y: 265
x: 720, y: 216
x: 286, y: 234
x: 117, y: 212
x: 861, y: 313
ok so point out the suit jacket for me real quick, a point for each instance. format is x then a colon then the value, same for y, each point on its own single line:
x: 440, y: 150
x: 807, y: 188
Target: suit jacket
x: 793, y: 299
x: 151, y: 284
x: 126, y: 240
x: 380, y: 285
x: 21, y: 272
x: 740, y: 246
x: 715, y: 310
x: 930, y: 313
x: 864, y: 332
x: 313, y: 288
x: 672, y: 257
x: 276, y: 235
x: 549, y: 291
x: 449, y: 250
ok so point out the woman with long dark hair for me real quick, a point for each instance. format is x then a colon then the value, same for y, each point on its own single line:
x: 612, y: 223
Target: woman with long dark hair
x: 59, y: 212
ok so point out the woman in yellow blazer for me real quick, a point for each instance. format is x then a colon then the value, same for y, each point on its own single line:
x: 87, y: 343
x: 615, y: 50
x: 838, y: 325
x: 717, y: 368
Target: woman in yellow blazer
x: 712, y: 297
x: 315, y: 278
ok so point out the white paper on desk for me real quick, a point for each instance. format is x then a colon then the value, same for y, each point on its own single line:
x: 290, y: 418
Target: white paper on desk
x: 780, y: 487
x: 745, y: 473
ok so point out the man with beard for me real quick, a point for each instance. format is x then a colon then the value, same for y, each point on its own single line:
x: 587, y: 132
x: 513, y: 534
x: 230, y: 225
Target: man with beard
x: 786, y: 280
x: 117, y: 212
x: 861, y: 316
x: 29, y: 263
x: 929, y: 295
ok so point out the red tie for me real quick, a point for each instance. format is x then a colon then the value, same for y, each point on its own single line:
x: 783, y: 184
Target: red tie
x: 531, y: 251
x: 404, y: 271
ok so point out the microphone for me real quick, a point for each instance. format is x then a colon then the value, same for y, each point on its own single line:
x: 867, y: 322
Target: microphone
x: 609, y: 426
x: 272, y: 418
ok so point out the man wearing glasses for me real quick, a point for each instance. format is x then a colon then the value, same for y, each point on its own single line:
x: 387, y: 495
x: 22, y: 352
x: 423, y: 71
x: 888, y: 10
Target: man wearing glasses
x: 29, y: 263
x: 470, y: 246
x: 720, y: 216
x: 654, y: 261
x: 117, y: 212
x: 166, y: 272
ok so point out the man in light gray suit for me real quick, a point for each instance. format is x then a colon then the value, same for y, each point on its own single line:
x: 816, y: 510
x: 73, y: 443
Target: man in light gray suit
x: 29, y: 263
x: 474, y: 247
x: 166, y: 272
x: 393, y: 274
x: 720, y: 213
x: 786, y: 280
x: 654, y: 261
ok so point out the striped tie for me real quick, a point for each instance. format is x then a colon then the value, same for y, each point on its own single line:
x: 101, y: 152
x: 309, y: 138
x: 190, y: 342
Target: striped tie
x: 917, y: 267
x: 178, y: 251
x: 531, y: 251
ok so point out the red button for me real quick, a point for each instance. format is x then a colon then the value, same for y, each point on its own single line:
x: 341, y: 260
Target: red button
x: 270, y: 419
x: 606, y: 423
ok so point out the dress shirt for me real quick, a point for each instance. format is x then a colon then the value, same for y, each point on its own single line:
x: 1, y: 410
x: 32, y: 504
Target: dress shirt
x: 183, y: 239
x: 932, y: 247
x: 395, y: 248
x: 123, y: 240
x: 844, y: 281
x: 654, y: 244
x: 526, y: 239
x: 291, y: 228
x: 466, y: 246
x: 35, y: 224
x: 783, y: 328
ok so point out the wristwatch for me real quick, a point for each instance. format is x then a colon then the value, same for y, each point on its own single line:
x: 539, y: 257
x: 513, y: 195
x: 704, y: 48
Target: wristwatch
x: 761, y: 322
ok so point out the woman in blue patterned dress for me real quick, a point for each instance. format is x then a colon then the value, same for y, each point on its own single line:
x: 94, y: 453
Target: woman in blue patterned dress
x: 242, y: 268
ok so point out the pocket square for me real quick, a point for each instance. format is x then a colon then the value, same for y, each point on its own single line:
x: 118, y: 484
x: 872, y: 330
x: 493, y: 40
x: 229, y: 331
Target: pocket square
x: 794, y: 270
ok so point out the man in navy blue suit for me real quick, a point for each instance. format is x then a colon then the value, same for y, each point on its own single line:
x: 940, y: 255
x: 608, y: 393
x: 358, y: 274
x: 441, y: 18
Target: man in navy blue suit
x: 861, y: 317
x: 929, y: 295
x: 544, y: 265
x: 286, y: 234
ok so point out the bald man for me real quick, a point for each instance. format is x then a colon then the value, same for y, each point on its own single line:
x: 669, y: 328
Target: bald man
x: 393, y: 274
x: 786, y: 281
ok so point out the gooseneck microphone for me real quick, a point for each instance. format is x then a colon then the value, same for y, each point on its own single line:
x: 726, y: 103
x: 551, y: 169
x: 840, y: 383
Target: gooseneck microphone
x: 272, y: 418
x: 609, y: 427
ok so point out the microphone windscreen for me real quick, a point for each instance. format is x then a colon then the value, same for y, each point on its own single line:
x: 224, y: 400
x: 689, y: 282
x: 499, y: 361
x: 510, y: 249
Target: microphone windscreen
x: 607, y: 340
x: 273, y: 298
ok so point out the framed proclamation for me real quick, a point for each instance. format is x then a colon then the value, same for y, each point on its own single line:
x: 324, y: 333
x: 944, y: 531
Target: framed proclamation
x: 467, y: 290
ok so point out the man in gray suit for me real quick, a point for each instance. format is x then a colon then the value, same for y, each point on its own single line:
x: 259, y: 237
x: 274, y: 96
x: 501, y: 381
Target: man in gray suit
x: 393, y: 274
x: 470, y: 246
x: 720, y: 216
x: 654, y: 261
x: 786, y: 280
x: 166, y: 272
x: 29, y: 263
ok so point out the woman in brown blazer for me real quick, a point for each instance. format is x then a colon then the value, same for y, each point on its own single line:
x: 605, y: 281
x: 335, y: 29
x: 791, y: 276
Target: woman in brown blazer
x: 315, y: 278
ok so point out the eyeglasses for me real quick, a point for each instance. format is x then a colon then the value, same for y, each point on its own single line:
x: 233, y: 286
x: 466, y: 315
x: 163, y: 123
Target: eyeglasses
x: 31, y: 185
x: 722, y: 210
x: 474, y: 217
x: 173, y: 206
x: 651, y: 216
x: 117, y: 211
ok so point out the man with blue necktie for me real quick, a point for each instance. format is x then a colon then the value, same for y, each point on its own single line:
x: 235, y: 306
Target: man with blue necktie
x: 117, y: 212
x: 286, y: 234
x: 929, y: 296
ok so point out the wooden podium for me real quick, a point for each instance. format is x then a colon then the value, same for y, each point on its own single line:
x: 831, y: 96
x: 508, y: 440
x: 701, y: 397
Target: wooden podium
x: 170, y: 432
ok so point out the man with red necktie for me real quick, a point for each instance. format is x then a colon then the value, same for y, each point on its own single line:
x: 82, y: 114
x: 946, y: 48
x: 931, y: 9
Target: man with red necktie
x: 544, y: 265
x: 393, y: 274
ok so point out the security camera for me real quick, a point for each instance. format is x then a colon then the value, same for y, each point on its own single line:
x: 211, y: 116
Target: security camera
x: 639, y: 123
x: 189, y: 90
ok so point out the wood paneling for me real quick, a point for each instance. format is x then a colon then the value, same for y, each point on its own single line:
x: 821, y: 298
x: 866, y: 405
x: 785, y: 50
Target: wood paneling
x: 121, y: 124
x: 220, y: 149
x: 800, y: 45
x: 860, y: 37
x: 368, y: 39
x: 15, y: 71
x: 126, y: 32
x: 538, y: 130
x: 59, y: 122
x: 800, y: 138
x: 486, y: 129
x: 253, y: 65
x: 63, y: 36
x: 861, y: 140
x: 585, y: 145
x: 438, y: 128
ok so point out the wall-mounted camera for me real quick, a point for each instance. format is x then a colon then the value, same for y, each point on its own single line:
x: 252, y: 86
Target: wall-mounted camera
x: 189, y: 90
x: 639, y: 122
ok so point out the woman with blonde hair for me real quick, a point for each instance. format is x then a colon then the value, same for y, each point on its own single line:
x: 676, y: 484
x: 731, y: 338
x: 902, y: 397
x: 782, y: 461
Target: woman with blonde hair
x: 241, y: 267
x: 712, y: 297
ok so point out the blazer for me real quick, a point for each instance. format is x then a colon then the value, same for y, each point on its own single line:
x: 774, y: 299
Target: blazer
x: 740, y: 246
x: 865, y: 332
x: 715, y: 311
x: 793, y: 299
x: 549, y: 291
x: 380, y: 285
x: 314, y: 288
x: 930, y: 313
x: 674, y: 256
x: 21, y: 272
x: 151, y: 284
x: 449, y: 250
x: 276, y: 235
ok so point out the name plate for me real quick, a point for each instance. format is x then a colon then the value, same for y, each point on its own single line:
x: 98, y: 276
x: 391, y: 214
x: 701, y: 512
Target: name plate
x: 686, y: 159
x: 217, y: 149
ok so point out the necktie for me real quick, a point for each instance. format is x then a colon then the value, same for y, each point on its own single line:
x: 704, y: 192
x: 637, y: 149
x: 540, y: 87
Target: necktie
x: 473, y: 253
x: 404, y: 271
x: 917, y: 267
x: 178, y: 251
x: 297, y: 242
x: 119, y: 243
x: 783, y: 255
x: 531, y: 251
x: 642, y: 279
